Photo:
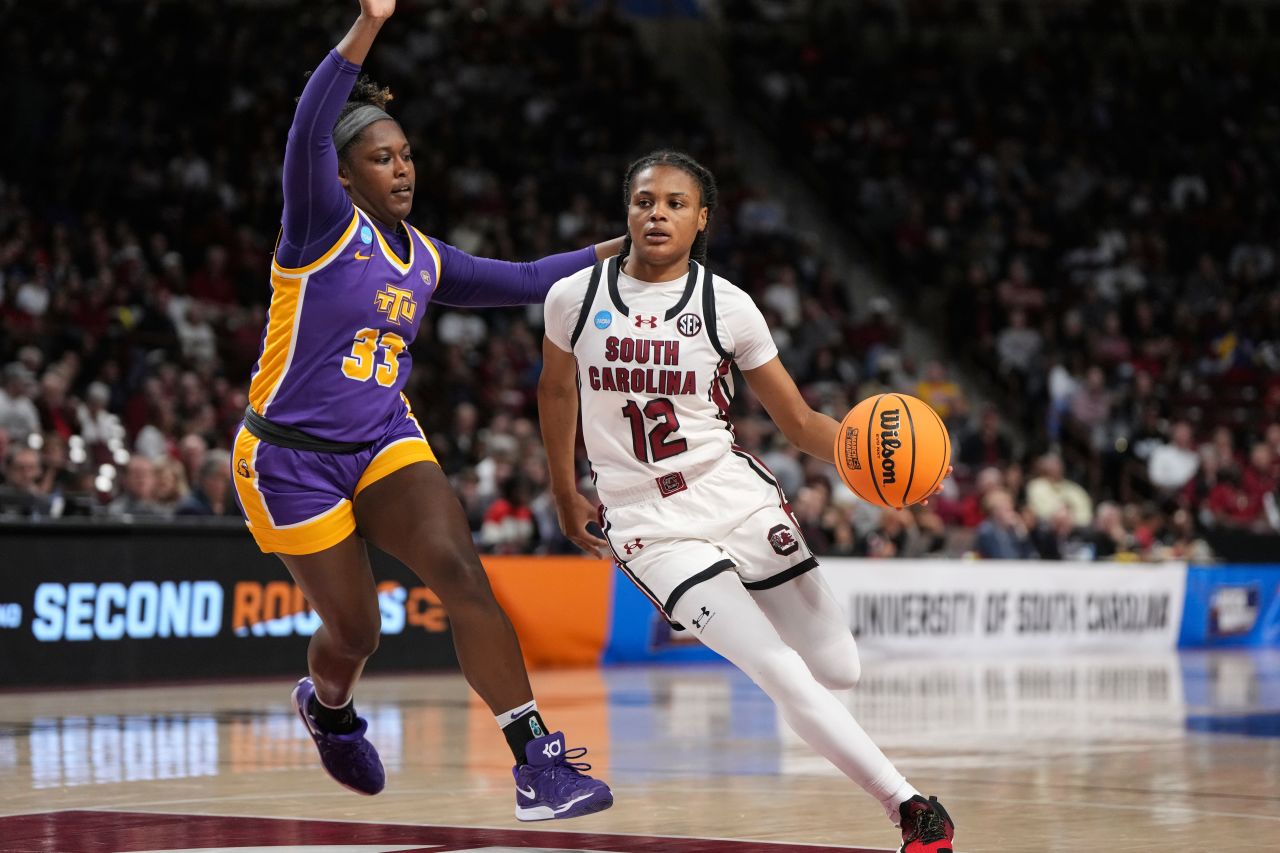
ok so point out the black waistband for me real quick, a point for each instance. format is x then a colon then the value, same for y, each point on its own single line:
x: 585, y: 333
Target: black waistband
x: 295, y: 439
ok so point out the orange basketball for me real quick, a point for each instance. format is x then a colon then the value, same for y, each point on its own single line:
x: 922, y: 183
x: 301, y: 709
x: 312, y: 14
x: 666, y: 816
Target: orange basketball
x: 892, y: 450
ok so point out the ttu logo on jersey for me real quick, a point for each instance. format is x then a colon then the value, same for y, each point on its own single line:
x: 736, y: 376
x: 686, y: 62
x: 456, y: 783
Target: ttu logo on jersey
x: 396, y: 302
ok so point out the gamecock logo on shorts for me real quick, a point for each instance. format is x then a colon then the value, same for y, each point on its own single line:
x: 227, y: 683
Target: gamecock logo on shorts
x: 784, y: 542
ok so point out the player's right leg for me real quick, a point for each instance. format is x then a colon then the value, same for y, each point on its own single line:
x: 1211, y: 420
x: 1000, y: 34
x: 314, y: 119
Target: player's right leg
x: 338, y: 583
x: 297, y: 506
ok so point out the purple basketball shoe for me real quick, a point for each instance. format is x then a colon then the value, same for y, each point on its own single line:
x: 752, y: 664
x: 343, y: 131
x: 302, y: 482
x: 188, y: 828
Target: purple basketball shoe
x: 350, y: 759
x: 553, y: 786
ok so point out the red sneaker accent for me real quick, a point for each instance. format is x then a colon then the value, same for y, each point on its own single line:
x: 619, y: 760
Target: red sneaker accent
x: 926, y: 826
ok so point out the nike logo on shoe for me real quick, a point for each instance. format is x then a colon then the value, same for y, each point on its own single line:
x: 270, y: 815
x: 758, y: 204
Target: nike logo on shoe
x: 527, y: 792
x: 515, y: 715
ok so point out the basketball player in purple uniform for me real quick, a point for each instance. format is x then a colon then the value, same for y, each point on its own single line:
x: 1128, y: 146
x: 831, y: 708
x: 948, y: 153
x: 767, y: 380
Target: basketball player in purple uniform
x: 700, y: 525
x: 330, y: 455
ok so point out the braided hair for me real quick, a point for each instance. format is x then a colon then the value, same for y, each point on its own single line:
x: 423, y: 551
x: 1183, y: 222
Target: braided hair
x: 700, y: 173
x: 366, y: 91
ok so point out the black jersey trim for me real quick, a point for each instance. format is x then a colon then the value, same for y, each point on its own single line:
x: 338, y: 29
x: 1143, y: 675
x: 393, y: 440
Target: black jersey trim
x: 690, y: 283
x: 689, y: 583
x: 709, y: 313
x: 612, y: 269
x: 786, y: 575
x: 615, y: 268
x: 587, y: 302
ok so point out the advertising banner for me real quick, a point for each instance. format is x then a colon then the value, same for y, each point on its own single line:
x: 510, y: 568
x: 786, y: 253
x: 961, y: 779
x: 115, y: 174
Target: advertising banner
x: 946, y: 607
x: 1233, y: 606
x: 122, y: 603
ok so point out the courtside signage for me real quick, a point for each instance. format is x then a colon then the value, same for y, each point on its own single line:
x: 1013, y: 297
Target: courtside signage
x: 945, y: 607
x: 101, y: 605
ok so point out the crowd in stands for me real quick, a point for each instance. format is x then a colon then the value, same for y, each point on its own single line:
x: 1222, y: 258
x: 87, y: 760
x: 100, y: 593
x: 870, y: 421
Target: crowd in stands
x: 133, y: 270
x: 1091, y: 224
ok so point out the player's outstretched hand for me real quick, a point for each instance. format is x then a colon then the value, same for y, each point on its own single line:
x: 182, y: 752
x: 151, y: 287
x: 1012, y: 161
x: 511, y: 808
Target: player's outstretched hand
x: 377, y: 9
x: 575, y: 513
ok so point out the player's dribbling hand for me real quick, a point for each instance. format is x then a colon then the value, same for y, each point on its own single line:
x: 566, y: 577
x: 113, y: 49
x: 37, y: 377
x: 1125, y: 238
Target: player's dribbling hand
x: 377, y: 9
x: 575, y: 512
x: 938, y: 490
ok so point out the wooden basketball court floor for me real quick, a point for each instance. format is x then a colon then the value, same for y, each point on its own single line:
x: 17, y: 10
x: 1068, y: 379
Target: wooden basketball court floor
x: 1172, y: 752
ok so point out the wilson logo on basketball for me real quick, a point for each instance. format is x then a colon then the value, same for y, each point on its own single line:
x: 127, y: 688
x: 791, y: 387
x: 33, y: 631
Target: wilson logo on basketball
x: 689, y: 325
x: 890, y: 420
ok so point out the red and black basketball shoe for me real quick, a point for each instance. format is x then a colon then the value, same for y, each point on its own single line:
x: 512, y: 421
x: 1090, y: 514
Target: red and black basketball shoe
x: 926, y: 826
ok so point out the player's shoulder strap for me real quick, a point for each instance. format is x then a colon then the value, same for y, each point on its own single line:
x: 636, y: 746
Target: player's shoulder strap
x: 587, y: 301
x: 709, y: 312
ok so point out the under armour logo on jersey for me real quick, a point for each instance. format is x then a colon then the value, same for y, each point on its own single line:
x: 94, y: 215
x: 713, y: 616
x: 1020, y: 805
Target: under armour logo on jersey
x: 689, y: 325
x: 642, y: 321
x: 700, y: 621
x: 783, y: 540
x: 633, y: 546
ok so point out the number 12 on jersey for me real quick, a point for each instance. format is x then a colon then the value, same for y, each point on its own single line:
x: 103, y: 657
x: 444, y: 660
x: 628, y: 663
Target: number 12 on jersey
x: 659, y: 443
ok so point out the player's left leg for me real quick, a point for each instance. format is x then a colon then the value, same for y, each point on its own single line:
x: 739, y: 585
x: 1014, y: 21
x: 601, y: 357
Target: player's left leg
x: 413, y: 515
x: 734, y: 626
x: 807, y: 617
x: 728, y: 620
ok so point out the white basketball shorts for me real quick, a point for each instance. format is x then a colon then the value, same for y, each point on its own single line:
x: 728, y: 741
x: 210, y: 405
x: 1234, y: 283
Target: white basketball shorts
x: 730, y: 517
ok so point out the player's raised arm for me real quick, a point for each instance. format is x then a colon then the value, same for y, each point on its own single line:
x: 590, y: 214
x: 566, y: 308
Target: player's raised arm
x: 315, y: 204
x: 355, y: 45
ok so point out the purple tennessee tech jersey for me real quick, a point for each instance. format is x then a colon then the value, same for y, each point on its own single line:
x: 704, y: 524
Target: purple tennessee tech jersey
x: 335, y: 354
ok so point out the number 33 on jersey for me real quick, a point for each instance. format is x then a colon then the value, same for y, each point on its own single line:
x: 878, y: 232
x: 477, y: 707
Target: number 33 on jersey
x: 653, y: 366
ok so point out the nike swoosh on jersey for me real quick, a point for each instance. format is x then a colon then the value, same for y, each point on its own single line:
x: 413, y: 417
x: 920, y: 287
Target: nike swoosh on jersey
x: 528, y: 792
x: 360, y: 257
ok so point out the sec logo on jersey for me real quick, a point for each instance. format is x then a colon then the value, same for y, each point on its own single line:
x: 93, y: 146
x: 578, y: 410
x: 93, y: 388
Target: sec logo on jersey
x: 689, y: 325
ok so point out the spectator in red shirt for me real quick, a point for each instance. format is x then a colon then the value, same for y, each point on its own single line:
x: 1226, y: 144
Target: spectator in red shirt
x: 508, y: 526
x: 1230, y: 505
x: 57, y: 414
x: 1258, y: 479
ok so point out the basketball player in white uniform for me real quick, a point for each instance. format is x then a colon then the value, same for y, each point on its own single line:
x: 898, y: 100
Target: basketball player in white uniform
x: 701, y: 526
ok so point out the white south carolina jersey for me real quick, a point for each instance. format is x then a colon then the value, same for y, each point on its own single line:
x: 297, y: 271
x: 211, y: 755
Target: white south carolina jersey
x: 653, y: 368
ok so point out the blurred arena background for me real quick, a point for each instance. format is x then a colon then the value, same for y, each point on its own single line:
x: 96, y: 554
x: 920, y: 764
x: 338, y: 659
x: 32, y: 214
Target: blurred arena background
x: 1056, y: 221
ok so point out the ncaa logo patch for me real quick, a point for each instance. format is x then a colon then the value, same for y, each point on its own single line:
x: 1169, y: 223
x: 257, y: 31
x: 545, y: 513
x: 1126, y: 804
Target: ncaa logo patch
x: 783, y: 540
x: 603, y: 320
x: 366, y: 234
x: 689, y: 325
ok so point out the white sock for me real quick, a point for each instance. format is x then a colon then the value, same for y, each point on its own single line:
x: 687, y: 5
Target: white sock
x: 506, y: 719
x: 900, y: 796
